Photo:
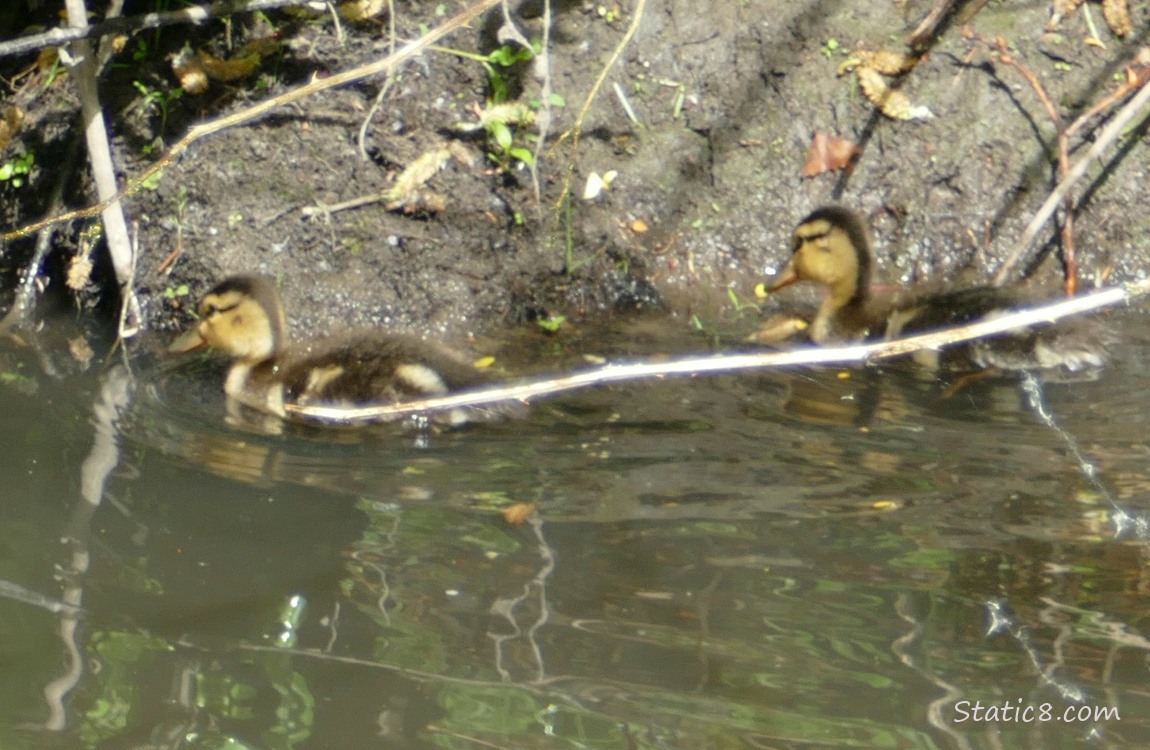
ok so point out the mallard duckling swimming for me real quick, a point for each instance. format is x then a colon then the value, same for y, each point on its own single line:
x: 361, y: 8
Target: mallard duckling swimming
x: 243, y: 316
x: 832, y: 247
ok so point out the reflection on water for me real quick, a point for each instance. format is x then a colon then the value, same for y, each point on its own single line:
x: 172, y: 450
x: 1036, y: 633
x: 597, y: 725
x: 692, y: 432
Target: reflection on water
x: 804, y: 558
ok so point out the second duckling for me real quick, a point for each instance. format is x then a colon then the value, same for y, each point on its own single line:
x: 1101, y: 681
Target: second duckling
x: 243, y: 316
x: 832, y: 247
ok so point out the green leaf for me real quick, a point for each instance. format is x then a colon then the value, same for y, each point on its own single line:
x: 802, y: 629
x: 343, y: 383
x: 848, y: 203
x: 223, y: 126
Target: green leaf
x: 508, y: 55
x: 557, y: 100
x: 523, y: 155
x: 552, y: 324
x: 502, y: 135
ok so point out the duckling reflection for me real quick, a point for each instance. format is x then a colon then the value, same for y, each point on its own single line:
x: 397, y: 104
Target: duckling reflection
x: 243, y: 316
x: 832, y: 248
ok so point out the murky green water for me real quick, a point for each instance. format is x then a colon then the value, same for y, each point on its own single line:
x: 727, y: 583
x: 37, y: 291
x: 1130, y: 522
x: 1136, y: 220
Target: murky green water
x: 764, y: 560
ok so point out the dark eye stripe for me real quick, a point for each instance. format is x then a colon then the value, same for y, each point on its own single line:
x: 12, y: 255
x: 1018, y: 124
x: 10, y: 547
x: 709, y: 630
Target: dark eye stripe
x: 211, y: 309
x: 801, y: 238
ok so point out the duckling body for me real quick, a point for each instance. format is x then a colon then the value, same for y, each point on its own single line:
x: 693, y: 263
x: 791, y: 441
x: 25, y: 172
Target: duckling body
x: 243, y: 316
x: 832, y: 248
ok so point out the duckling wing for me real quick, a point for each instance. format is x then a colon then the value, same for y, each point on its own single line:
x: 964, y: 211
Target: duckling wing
x: 1071, y: 349
x: 372, y: 368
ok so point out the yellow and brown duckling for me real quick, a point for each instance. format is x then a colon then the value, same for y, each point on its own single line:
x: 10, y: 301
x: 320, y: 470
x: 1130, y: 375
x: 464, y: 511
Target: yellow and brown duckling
x: 832, y: 248
x: 243, y: 316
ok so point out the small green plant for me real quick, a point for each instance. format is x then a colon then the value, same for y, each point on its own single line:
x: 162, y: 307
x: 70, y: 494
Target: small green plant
x: 740, y: 306
x: 153, y: 181
x: 830, y: 47
x: 552, y: 323
x: 155, y: 99
x: 17, y: 170
x: 176, y: 292
x: 501, y: 116
x: 497, y: 64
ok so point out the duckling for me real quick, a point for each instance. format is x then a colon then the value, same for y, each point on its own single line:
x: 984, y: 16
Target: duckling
x: 832, y: 247
x: 243, y: 316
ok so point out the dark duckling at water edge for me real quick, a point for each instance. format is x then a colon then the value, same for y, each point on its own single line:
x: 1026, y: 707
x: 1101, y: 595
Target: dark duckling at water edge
x: 832, y: 248
x: 243, y: 316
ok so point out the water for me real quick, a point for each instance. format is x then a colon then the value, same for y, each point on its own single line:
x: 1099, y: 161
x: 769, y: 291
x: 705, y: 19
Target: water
x: 811, y: 558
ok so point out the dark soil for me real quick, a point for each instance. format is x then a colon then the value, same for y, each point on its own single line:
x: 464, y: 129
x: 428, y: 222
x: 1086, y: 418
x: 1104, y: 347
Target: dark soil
x: 727, y: 97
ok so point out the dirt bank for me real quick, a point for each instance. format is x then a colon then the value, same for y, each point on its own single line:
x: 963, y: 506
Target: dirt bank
x: 724, y: 99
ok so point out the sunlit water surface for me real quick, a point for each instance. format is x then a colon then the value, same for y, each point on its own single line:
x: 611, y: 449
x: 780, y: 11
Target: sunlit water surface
x: 811, y: 558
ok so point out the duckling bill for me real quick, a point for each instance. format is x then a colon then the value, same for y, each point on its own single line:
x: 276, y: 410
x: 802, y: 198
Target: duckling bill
x: 243, y: 316
x: 832, y: 248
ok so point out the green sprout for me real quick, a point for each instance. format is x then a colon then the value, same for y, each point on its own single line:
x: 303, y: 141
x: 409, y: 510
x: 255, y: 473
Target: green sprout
x: 17, y: 170
x: 552, y: 323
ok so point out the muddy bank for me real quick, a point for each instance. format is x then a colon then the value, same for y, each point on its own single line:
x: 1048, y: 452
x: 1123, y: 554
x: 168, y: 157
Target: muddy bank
x: 706, y: 118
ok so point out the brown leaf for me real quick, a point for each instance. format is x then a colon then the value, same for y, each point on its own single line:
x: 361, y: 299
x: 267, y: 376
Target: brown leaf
x: 229, y: 70
x: 886, y: 62
x: 518, y: 513
x: 894, y: 104
x: 189, y: 72
x: 361, y: 10
x: 10, y: 125
x: 829, y: 153
x: 1117, y: 13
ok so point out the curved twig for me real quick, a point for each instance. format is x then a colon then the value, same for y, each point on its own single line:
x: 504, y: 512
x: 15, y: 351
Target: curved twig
x: 613, y: 373
x: 1108, y: 135
x: 132, y: 24
x: 203, y: 130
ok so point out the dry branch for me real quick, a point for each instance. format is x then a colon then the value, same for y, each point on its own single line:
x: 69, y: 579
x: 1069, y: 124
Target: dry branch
x: 722, y: 363
x: 83, y: 65
x: 203, y: 130
x: 131, y: 24
x: 1108, y: 135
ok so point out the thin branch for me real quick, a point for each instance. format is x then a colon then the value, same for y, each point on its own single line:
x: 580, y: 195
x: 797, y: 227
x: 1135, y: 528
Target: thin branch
x: 203, y: 130
x: 1108, y: 135
x: 361, y: 138
x: 577, y: 129
x: 641, y: 370
x: 83, y: 65
x: 131, y: 24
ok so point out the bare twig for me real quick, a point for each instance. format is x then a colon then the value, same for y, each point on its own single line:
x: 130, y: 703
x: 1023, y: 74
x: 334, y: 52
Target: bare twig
x: 1108, y: 135
x: 522, y: 391
x: 83, y: 66
x: 926, y: 29
x: 361, y: 138
x: 1070, y: 265
x: 577, y: 128
x: 542, y: 67
x: 132, y: 24
x: 404, y: 53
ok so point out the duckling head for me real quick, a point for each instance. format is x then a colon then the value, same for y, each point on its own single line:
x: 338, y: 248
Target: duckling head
x: 832, y: 248
x: 242, y: 316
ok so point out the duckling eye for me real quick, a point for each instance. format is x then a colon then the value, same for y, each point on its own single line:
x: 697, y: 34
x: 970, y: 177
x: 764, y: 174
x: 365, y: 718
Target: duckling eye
x: 813, y: 239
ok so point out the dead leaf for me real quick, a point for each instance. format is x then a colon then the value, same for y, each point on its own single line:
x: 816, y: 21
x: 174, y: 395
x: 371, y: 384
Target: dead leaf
x: 894, y: 104
x: 194, y: 71
x: 887, y: 62
x: 229, y: 70
x: 79, y: 272
x: 776, y: 329
x: 406, y: 190
x: 190, y: 73
x: 10, y: 125
x: 361, y: 10
x: 829, y: 153
x: 518, y: 513
x: 1117, y: 13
